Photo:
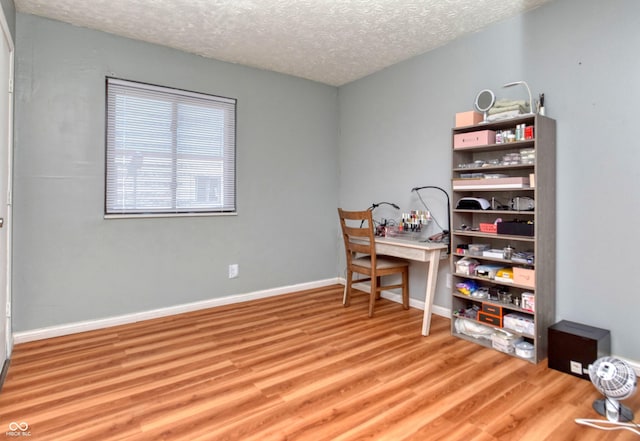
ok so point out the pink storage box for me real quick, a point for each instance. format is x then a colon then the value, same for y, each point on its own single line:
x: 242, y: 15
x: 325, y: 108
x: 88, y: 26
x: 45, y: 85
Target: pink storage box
x: 524, y: 276
x: 470, y: 118
x: 474, y: 139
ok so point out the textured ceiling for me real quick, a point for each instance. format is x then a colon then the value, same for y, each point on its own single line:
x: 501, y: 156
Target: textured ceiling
x: 329, y: 41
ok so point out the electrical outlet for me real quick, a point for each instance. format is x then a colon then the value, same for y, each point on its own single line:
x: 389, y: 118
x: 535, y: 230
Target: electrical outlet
x: 449, y: 280
x: 233, y: 271
x: 576, y: 367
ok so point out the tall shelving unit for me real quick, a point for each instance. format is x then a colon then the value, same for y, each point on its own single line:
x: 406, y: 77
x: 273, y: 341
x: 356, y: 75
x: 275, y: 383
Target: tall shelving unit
x: 465, y: 226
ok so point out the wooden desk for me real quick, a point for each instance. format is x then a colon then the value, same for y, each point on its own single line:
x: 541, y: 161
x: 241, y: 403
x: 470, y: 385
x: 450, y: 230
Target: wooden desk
x: 420, y: 252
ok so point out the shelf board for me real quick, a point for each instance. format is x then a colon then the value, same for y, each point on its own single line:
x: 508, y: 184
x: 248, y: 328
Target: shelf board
x: 497, y: 187
x: 481, y: 341
x: 527, y: 143
x: 509, y: 306
x: 494, y: 190
x: 506, y: 123
x: 487, y: 344
x: 495, y: 259
x: 510, y: 237
x: 506, y: 212
x: 492, y: 168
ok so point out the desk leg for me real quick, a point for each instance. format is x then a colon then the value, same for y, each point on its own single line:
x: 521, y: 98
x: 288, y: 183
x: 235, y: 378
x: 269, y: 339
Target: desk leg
x: 432, y: 278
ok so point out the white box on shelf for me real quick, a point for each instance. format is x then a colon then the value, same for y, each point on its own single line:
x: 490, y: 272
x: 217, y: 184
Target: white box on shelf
x: 519, y: 323
x: 493, y: 253
x: 528, y: 301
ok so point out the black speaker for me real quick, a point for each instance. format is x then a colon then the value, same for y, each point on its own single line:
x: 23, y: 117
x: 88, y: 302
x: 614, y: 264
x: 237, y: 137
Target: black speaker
x: 574, y: 346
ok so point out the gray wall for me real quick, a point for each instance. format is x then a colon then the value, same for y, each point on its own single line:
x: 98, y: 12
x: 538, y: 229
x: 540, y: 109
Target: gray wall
x: 582, y: 55
x: 72, y: 265
x: 9, y: 9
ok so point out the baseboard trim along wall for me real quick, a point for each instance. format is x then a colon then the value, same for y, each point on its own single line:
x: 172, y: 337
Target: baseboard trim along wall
x: 414, y: 303
x: 91, y: 325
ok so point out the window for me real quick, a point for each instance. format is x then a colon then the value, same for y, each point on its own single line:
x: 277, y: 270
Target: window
x: 168, y: 151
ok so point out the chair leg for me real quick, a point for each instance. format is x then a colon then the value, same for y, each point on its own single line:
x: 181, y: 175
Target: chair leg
x: 373, y: 295
x: 346, y: 298
x: 378, y: 293
x: 344, y: 294
x: 405, y: 288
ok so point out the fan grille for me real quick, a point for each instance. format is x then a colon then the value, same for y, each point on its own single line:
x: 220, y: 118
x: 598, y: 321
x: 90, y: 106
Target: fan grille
x: 613, y: 377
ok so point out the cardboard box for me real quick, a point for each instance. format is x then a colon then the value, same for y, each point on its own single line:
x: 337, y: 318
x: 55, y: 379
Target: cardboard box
x: 474, y: 139
x: 524, y: 276
x: 469, y: 118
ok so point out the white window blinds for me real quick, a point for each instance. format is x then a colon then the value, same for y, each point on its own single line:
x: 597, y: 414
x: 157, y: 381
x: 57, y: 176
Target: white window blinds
x: 168, y: 151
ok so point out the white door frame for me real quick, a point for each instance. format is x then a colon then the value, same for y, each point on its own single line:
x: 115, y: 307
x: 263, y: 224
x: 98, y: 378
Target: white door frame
x: 8, y: 224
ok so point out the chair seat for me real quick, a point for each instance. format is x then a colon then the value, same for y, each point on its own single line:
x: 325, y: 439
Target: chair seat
x: 381, y: 262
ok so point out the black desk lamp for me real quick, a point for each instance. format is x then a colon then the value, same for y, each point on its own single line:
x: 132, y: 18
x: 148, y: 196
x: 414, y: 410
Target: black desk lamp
x: 416, y: 189
x: 376, y: 205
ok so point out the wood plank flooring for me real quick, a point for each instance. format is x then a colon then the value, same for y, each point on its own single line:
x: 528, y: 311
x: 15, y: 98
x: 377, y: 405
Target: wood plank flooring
x: 292, y: 367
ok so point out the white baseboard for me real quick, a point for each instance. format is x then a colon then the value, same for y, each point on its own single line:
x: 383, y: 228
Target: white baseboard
x: 635, y: 365
x: 414, y: 303
x: 418, y: 304
x: 90, y: 325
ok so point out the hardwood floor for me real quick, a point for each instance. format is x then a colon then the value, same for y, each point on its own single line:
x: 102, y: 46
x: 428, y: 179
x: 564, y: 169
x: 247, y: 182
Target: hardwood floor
x: 293, y: 367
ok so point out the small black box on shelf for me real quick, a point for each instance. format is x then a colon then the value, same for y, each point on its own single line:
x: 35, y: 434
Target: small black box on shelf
x: 574, y: 346
x: 515, y: 228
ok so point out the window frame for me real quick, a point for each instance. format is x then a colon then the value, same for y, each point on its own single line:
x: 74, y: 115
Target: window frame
x: 227, y: 160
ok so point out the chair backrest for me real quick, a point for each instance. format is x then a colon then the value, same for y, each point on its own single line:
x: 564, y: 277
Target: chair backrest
x: 357, y: 231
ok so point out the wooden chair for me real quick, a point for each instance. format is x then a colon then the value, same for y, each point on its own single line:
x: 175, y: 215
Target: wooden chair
x: 359, y: 244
